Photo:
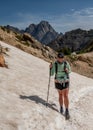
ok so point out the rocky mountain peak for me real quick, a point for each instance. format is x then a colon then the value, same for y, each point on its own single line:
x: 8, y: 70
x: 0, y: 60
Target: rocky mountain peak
x: 41, y: 32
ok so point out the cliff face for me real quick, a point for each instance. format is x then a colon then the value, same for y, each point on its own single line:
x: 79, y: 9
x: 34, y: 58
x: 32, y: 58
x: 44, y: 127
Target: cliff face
x: 43, y: 32
x: 76, y: 40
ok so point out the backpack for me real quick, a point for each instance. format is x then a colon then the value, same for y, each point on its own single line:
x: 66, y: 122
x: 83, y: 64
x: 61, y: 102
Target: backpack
x: 56, y: 69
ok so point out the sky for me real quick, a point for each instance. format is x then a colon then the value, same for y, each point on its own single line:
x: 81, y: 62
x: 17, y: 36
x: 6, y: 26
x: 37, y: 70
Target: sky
x: 63, y: 15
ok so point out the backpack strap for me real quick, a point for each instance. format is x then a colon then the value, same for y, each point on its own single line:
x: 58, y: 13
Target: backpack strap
x: 65, y: 64
x: 56, y: 69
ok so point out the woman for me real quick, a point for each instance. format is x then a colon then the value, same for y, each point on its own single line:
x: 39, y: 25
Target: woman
x: 61, y: 69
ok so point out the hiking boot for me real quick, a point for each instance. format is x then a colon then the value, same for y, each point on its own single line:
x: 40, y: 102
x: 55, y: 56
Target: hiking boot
x: 67, y: 116
x: 61, y: 110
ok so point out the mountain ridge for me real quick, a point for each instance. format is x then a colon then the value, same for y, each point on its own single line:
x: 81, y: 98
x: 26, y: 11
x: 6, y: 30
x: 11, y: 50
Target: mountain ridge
x: 39, y: 31
x: 27, y: 43
x: 74, y: 40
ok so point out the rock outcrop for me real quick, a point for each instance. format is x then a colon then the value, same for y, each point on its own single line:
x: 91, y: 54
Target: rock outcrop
x: 43, y: 32
x: 75, y: 40
x: 2, y: 61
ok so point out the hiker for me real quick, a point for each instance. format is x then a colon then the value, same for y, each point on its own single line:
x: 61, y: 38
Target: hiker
x: 61, y: 69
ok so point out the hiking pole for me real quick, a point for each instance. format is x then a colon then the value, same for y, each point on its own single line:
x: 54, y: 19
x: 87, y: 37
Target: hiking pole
x: 48, y: 86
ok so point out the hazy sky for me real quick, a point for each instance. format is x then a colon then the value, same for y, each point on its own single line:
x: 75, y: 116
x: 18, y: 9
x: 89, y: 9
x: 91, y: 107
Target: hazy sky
x: 63, y: 15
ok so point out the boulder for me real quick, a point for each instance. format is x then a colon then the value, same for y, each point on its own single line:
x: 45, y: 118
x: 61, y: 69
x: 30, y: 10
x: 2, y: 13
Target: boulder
x: 2, y: 61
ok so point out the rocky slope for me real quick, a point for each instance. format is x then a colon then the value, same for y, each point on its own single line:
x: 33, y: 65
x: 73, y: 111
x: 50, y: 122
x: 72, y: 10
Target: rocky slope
x: 23, y: 92
x: 26, y: 43
x: 43, y: 31
x: 76, y: 40
x: 14, y: 29
x: 82, y: 63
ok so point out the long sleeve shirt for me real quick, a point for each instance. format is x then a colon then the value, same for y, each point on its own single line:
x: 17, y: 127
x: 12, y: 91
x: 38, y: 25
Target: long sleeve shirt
x: 60, y: 75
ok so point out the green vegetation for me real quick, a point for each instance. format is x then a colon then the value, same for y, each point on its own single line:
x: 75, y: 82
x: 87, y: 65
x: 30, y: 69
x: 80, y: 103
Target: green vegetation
x: 73, y: 58
x: 25, y: 43
x: 19, y: 37
x: 65, y: 50
x: 88, y: 48
x: 3, y: 28
x: 8, y: 31
x: 7, y: 49
x: 1, y: 38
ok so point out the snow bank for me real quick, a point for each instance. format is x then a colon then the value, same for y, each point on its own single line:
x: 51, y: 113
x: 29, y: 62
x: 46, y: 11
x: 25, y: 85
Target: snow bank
x: 23, y: 92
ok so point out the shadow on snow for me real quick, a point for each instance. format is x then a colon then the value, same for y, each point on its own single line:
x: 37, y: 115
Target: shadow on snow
x: 38, y: 100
